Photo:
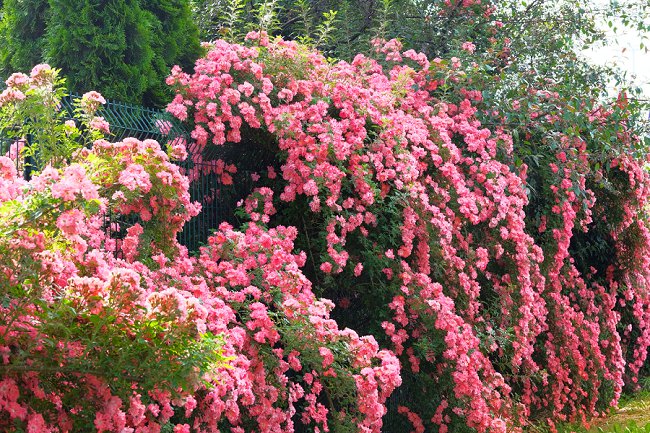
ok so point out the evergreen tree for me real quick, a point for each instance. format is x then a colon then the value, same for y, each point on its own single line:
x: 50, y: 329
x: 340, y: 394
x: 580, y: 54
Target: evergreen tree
x: 101, y: 45
x: 175, y: 41
x: 22, y: 30
x: 122, y: 48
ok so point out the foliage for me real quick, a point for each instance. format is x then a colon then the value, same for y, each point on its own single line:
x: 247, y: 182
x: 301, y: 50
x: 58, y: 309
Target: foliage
x: 124, y: 48
x: 109, y: 325
x: 30, y: 110
x: 101, y: 45
x: 233, y: 19
x: 536, y: 29
x: 22, y: 31
x: 84, y: 334
x: 460, y: 247
x: 174, y: 41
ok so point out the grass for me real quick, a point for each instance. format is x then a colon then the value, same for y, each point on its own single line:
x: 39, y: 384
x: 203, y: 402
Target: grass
x: 631, y: 416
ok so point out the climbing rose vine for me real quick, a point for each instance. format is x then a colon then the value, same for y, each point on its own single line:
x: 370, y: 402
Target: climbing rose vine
x: 108, y: 325
x: 431, y: 232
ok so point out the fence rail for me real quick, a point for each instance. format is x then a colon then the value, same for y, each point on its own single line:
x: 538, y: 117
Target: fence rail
x: 129, y: 120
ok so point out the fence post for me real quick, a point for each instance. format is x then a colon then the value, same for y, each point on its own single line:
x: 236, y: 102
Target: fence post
x: 29, y: 161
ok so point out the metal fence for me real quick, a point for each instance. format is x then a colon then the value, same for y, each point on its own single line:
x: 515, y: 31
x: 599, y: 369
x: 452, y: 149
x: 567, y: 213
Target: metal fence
x: 129, y: 120
x: 218, y: 200
x: 11, y: 147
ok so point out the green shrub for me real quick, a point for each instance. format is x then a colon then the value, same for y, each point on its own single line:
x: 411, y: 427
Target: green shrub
x: 102, y: 45
x: 123, y: 48
x: 22, y: 31
x: 174, y: 41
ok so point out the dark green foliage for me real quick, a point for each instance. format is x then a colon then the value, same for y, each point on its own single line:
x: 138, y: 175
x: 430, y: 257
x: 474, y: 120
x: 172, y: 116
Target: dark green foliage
x: 429, y: 26
x: 103, y: 46
x: 122, y: 48
x: 21, y: 34
x: 175, y: 41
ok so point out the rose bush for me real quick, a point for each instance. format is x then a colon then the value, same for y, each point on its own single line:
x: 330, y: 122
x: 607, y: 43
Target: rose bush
x: 88, y: 339
x: 108, y: 325
x: 467, y: 250
x: 30, y: 110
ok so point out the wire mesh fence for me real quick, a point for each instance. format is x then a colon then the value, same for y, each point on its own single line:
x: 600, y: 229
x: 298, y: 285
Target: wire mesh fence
x: 218, y: 199
x: 11, y: 148
x: 218, y: 204
x: 127, y: 120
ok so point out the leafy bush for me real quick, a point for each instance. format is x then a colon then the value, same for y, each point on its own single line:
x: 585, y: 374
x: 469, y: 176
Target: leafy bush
x: 83, y: 333
x: 124, y: 48
x: 174, y: 41
x: 30, y: 110
x: 22, y: 31
x: 102, y: 46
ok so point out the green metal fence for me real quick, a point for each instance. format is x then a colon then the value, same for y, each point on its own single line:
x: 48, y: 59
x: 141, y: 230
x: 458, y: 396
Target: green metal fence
x: 129, y: 120
x: 218, y: 201
x: 10, y: 147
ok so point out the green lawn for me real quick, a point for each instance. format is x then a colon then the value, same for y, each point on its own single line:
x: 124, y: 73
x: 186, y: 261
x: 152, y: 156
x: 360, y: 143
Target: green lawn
x: 631, y: 416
